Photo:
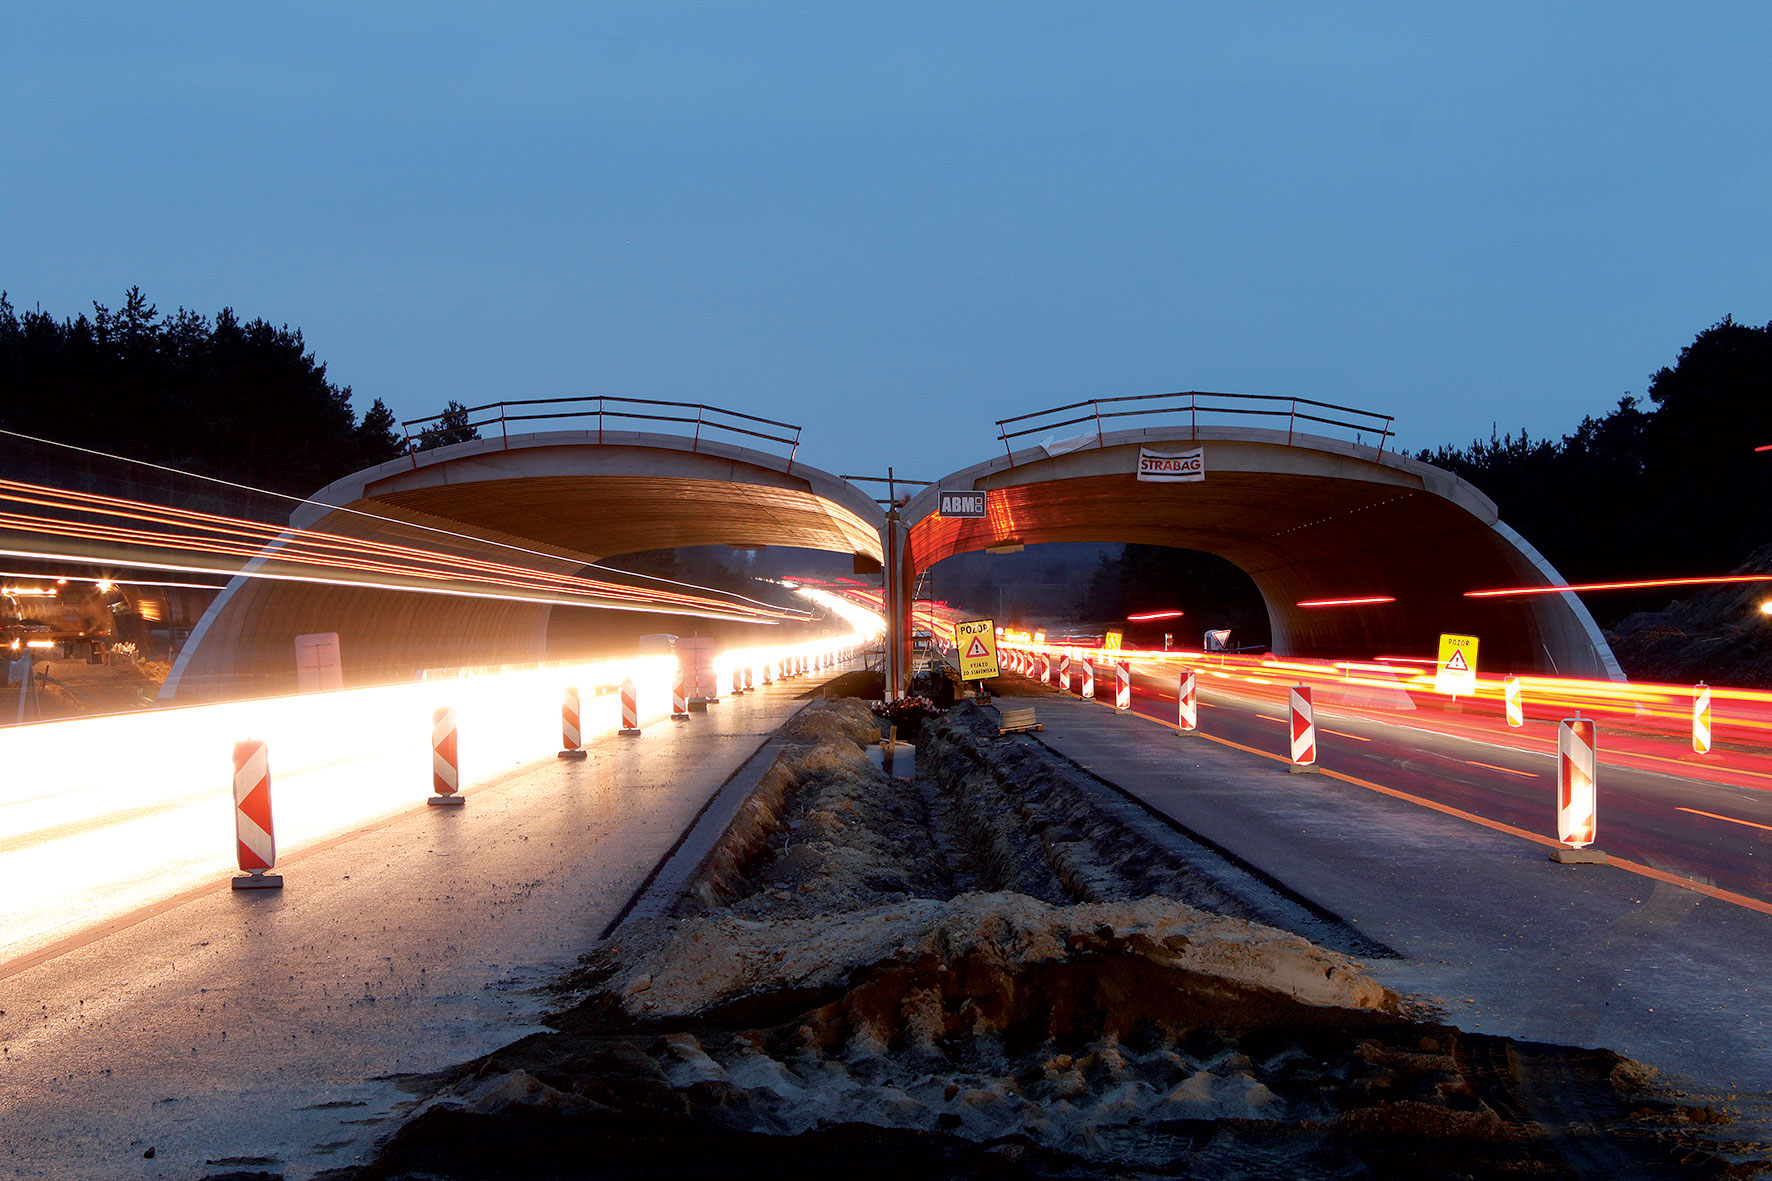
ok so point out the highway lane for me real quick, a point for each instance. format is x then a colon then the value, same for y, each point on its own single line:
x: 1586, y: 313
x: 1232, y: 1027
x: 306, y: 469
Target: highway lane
x: 1719, y: 834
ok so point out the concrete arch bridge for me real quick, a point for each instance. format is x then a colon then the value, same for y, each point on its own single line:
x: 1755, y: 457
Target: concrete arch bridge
x: 1308, y: 516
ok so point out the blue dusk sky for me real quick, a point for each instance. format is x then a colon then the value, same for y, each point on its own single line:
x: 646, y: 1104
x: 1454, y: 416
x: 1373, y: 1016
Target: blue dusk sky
x: 897, y: 223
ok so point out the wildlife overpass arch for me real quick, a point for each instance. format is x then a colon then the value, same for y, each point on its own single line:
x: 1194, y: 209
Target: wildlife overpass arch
x: 1307, y: 518
x: 567, y: 498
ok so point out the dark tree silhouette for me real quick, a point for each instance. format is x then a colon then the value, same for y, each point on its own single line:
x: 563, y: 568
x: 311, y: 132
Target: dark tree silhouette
x: 242, y: 400
x: 1669, y: 491
x: 452, y: 426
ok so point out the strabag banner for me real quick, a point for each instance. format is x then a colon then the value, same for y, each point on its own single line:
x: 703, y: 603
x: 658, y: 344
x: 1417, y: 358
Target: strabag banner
x: 1172, y: 467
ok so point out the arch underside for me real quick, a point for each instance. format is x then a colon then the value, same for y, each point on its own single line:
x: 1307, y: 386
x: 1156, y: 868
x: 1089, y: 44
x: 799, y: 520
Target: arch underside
x: 566, y: 505
x: 1305, y: 536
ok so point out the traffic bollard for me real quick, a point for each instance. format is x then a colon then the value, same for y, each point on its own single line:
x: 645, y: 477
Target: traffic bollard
x: 445, y: 766
x: 255, y: 845
x: 1577, y: 792
x: 571, y: 739
x: 1304, y: 730
x: 630, y: 709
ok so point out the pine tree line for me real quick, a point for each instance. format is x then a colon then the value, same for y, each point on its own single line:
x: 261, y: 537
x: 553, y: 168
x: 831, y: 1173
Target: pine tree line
x: 243, y: 400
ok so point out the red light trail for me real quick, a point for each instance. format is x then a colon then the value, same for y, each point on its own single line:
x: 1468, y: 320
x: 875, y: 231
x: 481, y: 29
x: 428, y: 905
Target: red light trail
x: 1604, y: 586
x: 1347, y: 602
x: 1150, y: 615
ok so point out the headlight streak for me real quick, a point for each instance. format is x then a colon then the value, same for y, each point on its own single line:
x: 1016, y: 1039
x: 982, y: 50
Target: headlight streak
x: 357, y: 512
x: 207, y: 533
x: 316, y: 579
x: 101, y: 816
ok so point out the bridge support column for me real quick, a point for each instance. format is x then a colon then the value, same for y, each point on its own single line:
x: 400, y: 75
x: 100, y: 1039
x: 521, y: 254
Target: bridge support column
x: 895, y: 600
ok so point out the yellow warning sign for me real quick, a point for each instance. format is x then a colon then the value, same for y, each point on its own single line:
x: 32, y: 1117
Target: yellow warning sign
x: 1455, y: 671
x: 1112, y: 641
x: 976, y: 643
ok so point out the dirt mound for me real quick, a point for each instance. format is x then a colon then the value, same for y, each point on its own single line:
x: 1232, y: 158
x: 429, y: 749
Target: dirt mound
x: 679, y: 968
x: 990, y: 1049
x: 839, y: 994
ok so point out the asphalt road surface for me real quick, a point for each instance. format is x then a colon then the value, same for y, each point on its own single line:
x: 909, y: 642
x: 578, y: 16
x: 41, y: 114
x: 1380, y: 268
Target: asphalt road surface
x: 1675, y: 820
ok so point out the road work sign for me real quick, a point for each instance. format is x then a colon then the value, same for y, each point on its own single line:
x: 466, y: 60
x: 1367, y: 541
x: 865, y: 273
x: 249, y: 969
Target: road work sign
x: 1172, y: 467
x: 976, y: 642
x: 1456, y: 670
x: 962, y: 504
x: 1112, y: 640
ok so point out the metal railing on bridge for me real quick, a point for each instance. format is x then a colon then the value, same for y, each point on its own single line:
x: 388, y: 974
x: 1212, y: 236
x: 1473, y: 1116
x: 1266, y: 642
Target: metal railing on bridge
x: 1191, y: 404
x: 452, y: 425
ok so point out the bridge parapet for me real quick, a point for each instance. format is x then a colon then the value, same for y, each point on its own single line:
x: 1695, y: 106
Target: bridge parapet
x: 1103, y: 413
x: 450, y: 425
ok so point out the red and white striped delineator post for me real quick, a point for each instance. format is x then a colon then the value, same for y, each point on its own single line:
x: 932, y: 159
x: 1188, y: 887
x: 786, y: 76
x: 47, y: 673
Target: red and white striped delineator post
x: 1088, y: 677
x: 255, y: 846
x: 445, y: 761
x: 1064, y: 672
x: 630, y: 709
x: 1122, y: 684
x: 1510, y: 692
x: 750, y: 678
x: 1701, y: 719
x: 571, y: 740
x: 1577, y: 763
x: 1303, y: 729
x: 679, y: 697
x: 767, y: 679
x: 1188, y: 703
x: 1042, y: 669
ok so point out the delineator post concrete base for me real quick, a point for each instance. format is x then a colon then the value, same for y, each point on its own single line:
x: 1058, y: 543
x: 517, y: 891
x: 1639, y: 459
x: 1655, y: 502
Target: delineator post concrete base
x: 580, y: 753
x: 445, y: 801
x: 258, y: 881
x: 1579, y: 857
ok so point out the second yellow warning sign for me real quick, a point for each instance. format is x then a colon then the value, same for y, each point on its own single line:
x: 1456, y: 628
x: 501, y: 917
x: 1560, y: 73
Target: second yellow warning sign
x: 975, y: 641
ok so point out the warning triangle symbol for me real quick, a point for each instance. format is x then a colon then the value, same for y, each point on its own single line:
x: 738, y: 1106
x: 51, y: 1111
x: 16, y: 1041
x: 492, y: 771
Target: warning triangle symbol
x: 1456, y: 664
x: 976, y: 649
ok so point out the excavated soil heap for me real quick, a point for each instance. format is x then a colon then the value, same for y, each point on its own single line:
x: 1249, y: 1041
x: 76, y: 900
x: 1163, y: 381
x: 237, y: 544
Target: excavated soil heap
x: 869, y: 980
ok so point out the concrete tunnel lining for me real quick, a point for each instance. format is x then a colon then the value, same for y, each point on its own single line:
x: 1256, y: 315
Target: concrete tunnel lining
x: 1307, y: 518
